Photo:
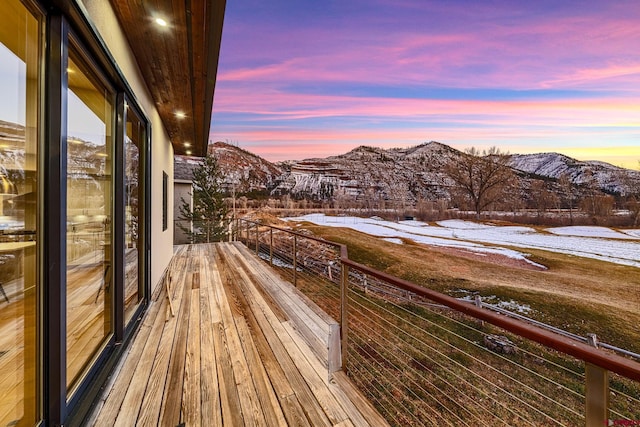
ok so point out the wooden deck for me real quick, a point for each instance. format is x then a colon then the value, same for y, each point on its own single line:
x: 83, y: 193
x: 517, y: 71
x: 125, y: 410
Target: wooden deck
x: 243, y: 348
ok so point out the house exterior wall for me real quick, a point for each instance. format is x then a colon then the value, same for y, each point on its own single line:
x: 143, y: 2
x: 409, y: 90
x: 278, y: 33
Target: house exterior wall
x: 86, y: 202
x: 104, y: 19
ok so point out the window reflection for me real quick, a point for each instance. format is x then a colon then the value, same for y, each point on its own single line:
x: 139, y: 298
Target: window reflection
x: 19, y: 286
x: 134, y: 140
x: 89, y: 218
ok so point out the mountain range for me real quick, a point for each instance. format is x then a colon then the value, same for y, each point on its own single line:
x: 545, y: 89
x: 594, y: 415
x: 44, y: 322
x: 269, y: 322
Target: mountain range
x: 409, y: 174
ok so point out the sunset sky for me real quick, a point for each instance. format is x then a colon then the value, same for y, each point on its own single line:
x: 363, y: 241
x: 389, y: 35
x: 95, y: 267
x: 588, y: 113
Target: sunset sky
x: 313, y: 78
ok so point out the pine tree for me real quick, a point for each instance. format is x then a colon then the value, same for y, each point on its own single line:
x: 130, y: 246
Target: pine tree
x: 207, y: 212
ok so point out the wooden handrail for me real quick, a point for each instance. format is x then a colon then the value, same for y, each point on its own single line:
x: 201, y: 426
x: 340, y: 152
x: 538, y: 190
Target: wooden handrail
x: 611, y: 362
x: 295, y: 233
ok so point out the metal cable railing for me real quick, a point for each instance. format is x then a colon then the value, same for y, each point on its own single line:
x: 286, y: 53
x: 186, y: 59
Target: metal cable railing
x: 424, y: 358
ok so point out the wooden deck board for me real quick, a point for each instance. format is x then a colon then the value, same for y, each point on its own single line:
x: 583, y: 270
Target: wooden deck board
x: 231, y: 355
x: 211, y: 412
x: 172, y: 396
x: 251, y: 410
x: 152, y: 402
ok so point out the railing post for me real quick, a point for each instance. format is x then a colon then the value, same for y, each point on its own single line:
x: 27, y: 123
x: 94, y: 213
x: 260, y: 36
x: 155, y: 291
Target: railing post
x: 271, y: 247
x: 344, y: 323
x: 597, y: 391
x: 257, y: 238
x: 478, y: 302
x: 295, y: 261
x: 235, y: 229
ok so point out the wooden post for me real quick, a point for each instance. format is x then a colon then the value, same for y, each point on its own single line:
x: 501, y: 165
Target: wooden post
x: 295, y: 261
x: 344, y: 323
x: 478, y: 302
x: 257, y: 239
x: 167, y: 282
x: 597, y: 391
x: 271, y: 246
x: 235, y: 230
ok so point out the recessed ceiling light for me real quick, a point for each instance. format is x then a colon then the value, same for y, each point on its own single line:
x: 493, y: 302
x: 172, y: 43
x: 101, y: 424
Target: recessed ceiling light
x: 187, y: 144
x: 188, y: 152
x: 180, y: 114
x: 161, y: 22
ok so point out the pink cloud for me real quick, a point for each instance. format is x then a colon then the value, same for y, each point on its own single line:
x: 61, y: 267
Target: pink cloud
x: 538, y: 54
x: 590, y: 52
x: 587, y: 112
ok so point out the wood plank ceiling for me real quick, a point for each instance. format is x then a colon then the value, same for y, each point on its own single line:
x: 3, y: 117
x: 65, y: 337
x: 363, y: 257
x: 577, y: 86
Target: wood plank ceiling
x: 179, y: 62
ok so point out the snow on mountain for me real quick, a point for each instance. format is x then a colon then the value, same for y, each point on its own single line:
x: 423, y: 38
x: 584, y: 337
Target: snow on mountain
x: 398, y: 175
x: 609, y: 178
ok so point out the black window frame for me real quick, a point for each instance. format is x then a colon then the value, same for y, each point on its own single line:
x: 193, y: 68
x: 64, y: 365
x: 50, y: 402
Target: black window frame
x: 165, y: 201
x: 64, y: 21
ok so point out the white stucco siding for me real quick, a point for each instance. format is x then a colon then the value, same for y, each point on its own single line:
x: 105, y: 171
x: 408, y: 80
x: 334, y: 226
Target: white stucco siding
x: 104, y: 19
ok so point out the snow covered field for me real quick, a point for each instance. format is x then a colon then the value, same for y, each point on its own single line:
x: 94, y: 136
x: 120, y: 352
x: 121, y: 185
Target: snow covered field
x: 591, y: 242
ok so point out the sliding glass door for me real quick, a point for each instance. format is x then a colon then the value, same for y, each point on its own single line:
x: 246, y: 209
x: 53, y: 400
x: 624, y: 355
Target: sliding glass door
x: 134, y: 145
x: 20, y: 86
x: 89, y: 285
x: 73, y: 216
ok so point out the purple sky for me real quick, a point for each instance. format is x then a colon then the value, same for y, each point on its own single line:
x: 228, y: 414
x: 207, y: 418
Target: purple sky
x: 310, y: 78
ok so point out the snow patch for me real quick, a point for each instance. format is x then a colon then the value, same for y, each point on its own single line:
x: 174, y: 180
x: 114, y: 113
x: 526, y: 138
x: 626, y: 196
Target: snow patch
x: 486, y: 238
x: 590, y: 231
x: 634, y: 233
x: 393, y: 240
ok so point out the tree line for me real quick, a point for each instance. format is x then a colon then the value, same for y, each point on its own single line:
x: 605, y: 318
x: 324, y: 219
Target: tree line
x: 481, y: 182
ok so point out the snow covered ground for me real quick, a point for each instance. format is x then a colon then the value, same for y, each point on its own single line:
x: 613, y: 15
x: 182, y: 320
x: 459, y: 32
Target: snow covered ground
x: 591, y: 242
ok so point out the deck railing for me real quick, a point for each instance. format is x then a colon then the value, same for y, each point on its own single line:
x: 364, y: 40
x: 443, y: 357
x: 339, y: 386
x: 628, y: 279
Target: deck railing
x: 425, y: 358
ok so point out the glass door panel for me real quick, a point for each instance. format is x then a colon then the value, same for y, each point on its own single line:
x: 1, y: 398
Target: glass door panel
x: 134, y: 142
x: 20, y: 55
x: 89, y: 216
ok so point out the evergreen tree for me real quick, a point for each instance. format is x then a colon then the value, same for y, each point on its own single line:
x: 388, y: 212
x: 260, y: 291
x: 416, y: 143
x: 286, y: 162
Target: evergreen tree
x: 207, y: 212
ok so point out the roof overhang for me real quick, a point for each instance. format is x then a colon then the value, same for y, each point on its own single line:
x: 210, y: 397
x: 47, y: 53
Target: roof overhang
x: 179, y: 62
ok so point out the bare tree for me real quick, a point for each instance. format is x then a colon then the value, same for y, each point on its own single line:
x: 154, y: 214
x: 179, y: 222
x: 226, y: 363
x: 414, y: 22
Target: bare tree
x: 482, y: 178
x: 542, y: 197
x: 592, y: 191
x: 568, y: 193
x: 630, y: 194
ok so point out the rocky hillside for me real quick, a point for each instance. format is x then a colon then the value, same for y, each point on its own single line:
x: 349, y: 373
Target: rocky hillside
x: 400, y: 174
x: 369, y: 172
x: 247, y: 171
x: 611, y: 179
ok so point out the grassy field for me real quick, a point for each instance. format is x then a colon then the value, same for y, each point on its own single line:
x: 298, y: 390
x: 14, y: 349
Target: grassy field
x: 576, y: 294
x: 423, y: 365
